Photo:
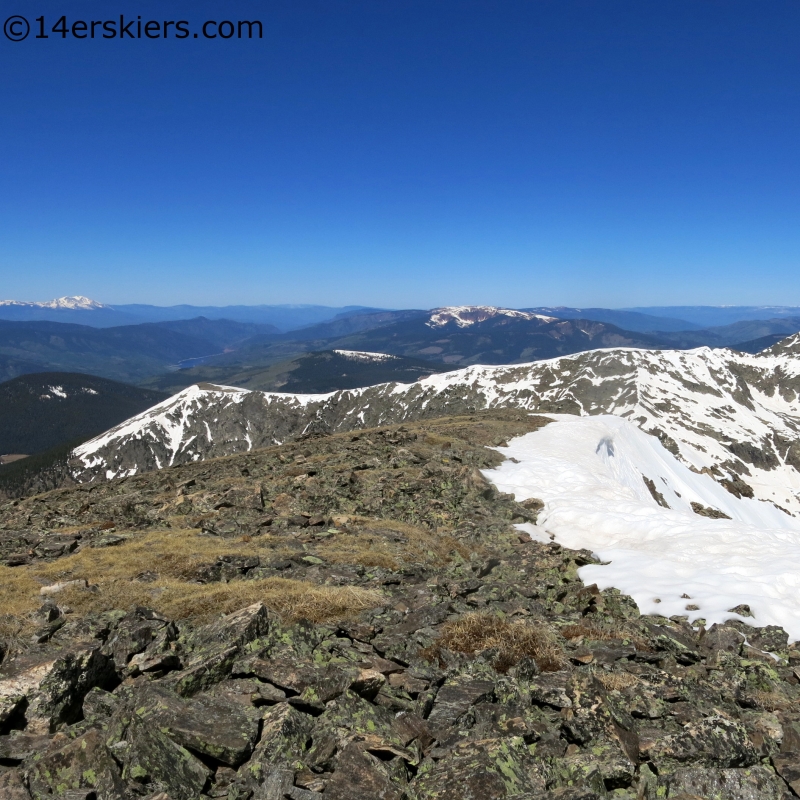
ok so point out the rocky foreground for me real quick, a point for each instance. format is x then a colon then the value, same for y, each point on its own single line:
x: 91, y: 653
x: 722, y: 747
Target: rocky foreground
x: 354, y: 617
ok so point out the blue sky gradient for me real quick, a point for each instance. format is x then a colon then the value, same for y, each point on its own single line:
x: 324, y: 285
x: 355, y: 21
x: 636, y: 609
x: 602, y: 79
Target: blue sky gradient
x: 409, y: 154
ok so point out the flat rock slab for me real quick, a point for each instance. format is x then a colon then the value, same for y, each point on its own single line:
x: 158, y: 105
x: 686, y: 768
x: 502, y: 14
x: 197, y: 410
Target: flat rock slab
x: 206, y: 724
x: 491, y: 769
x: 361, y: 776
x: 787, y: 765
x: 711, y: 742
x: 455, y: 698
x: 551, y: 688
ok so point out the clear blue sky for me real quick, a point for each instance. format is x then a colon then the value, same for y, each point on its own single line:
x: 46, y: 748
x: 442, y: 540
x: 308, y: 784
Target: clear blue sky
x: 408, y: 153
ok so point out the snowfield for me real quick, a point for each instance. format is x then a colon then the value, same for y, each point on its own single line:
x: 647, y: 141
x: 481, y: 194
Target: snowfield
x: 590, y: 471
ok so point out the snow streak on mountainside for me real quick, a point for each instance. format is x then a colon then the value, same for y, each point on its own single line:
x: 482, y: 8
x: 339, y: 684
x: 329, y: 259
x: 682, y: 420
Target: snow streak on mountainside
x: 361, y: 355
x: 611, y: 488
x: 732, y: 415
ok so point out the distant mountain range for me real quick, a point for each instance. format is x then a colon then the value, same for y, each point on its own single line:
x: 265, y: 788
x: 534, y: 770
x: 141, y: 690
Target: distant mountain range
x: 127, y: 353
x: 170, y: 355
x: 638, y: 321
x: 714, y: 316
x: 646, y: 319
x: 84, y: 311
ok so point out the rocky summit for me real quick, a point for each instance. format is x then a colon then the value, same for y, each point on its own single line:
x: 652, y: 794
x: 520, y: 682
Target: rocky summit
x: 354, y: 616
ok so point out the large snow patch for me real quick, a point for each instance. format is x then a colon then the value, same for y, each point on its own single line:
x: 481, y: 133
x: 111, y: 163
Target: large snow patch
x: 590, y: 471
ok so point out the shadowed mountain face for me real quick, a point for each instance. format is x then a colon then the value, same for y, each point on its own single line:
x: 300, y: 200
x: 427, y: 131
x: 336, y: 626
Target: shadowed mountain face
x: 758, y: 345
x: 40, y: 411
x: 497, y: 337
x: 128, y: 353
x: 324, y: 371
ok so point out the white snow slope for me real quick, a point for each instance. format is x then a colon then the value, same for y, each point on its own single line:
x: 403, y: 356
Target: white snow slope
x: 590, y: 471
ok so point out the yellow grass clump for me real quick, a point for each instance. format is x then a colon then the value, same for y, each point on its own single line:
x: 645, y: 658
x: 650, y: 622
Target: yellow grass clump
x: 292, y: 600
x: 479, y: 631
x: 588, y: 630
x: 390, y: 543
x: 173, y: 557
x: 616, y: 681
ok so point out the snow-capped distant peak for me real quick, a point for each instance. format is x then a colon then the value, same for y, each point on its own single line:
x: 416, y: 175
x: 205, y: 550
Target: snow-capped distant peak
x: 73, y: 303
x: 464, y: 316
x: 362, y: 355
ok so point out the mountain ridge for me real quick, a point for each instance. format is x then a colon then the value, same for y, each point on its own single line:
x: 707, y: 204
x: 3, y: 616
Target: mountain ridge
x: 747, y: 433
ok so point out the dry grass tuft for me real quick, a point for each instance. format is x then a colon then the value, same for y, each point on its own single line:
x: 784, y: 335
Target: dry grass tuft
x: 291, y: 600
x: 479, y: 631
x: 389, y: 544
x: 590, y: 630
x: 768, y: 701
x: 616, y: 681
x: 174, y: 556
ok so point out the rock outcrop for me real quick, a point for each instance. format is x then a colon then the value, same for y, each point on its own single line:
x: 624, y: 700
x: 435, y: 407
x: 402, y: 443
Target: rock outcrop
x: 355, y: 617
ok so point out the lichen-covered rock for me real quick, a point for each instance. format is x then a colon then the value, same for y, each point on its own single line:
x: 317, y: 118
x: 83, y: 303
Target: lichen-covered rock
x: 490, y: 769
x: 204, y: 724
x: 361, y: 776
x: 213, y: 649
x: 551, y: 689
x: 12, y: 786
x: 752, y: 783
x: 151, y: 758
x: 454, y: 699
x: 136, y: 632
x: 237, y: 629
x: 285, y: 736
x: 603, y: 764
x: 83, y: 763
x: 49, y: 685
x: 18, y: 746
x: 787, y: 765
x: 711, y: 742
